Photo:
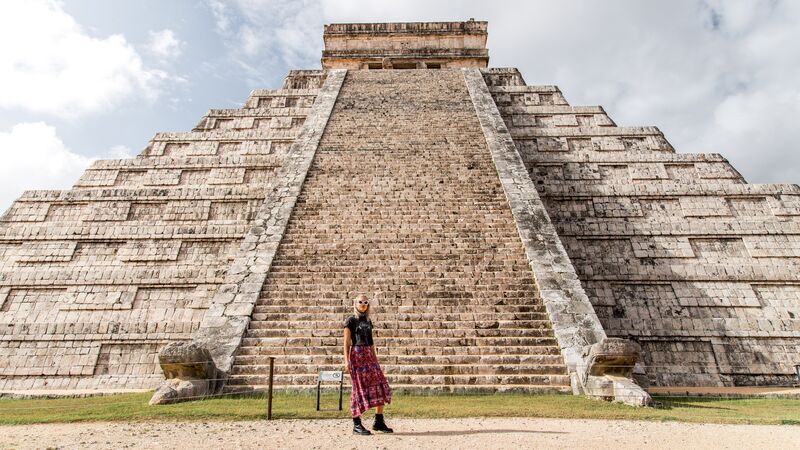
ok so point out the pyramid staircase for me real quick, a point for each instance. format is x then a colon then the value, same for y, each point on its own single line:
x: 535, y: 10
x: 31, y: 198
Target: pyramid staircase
x: 403, y: 200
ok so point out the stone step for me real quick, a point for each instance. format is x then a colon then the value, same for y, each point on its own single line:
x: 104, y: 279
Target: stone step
x: 313, y: 341
x: 426, y: 214
x: 337, y: 359
x: 414, y: 380
x: 408, y: 264
x: 466, y: 305
x: 395, y: 333
x: 455, y: 304
x: 464, y: 288
x: 320, y: 289
x: 461, y: 283
x: 341, y: 314
x: 346, y: 310
x: 334, y: 347
x: 389, y: 206
x: 299, y: 259
x: 480, y: 203
x: 309, y: 241
x: 389, y: 324
x: 414, y: 369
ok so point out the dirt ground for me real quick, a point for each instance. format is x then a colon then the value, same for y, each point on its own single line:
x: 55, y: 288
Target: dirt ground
x: 409, y: 434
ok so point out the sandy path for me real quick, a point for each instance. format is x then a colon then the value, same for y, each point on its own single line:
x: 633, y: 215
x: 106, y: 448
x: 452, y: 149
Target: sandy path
x: 411, y: 434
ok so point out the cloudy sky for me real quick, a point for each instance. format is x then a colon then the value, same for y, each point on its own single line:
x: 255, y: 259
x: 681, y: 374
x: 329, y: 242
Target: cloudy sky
x: 88, y: 79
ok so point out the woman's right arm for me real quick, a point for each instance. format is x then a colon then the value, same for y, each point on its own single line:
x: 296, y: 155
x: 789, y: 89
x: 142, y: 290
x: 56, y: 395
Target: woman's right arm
x: 347, y: 349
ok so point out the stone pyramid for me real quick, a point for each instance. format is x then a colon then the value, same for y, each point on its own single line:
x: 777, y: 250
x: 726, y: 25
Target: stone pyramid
x: 504, y: 234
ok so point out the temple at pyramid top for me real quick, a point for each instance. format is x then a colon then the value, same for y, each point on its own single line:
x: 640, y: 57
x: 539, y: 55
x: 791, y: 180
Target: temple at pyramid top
x: 410, y: 45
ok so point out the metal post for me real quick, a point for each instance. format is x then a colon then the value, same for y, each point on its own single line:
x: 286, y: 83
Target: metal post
x: 269, y: 390
x: 319, y: 383
x: 341, y: 380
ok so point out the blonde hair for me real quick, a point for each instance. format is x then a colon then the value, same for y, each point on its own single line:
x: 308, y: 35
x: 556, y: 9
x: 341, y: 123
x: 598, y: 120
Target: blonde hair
x: 355, y: 305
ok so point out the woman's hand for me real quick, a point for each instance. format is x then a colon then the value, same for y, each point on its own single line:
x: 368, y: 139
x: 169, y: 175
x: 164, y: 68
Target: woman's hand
x: 346, y: 349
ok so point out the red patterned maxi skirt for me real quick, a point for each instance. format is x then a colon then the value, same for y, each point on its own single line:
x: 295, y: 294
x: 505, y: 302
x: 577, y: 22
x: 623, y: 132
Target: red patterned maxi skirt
x: 370, y: 388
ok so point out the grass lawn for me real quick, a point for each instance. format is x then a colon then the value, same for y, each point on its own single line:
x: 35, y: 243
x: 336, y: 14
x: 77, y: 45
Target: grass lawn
x: 134, y: 407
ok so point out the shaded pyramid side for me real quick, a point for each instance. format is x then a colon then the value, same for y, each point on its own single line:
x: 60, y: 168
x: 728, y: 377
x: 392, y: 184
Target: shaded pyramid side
x: 676, y: 251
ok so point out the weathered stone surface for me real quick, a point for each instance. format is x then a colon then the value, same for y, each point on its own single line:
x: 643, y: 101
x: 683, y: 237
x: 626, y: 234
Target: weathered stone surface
x: 628, y: 392
x: 190, y: 373
x: 675, y: 251
x: 186, y: 361
x: 94, y: 281
x: 574, y: 322
x: 608, y: 372
x: 411, y: 45
x: 175, y: 390
x: 612, y: 356
x: 403, y: 202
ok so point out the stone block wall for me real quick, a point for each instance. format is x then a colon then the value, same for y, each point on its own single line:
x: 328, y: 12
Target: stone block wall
x: 676, y: 251
x: 94, y: 280
x: 405, y: 45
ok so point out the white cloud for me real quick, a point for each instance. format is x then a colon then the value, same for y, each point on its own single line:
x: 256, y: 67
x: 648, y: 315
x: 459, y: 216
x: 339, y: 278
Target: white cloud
x: 120, y: 152
x: 262, y: 34
x: 50, y: 65
x: 34, y: 157
x: 222, y: 16
x: 164, y: 44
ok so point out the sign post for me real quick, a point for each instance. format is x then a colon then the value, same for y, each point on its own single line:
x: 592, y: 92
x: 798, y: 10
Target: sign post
x: 330, y: 375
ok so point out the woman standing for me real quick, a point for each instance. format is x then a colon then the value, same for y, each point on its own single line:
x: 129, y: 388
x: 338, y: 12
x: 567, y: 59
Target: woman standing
x: 370, y: 388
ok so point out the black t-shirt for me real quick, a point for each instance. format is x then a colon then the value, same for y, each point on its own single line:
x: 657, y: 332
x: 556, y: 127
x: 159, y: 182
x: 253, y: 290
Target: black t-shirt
x: 360, y: 330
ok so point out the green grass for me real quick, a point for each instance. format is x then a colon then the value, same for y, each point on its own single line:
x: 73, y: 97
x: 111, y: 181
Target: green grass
x: 134, y: 407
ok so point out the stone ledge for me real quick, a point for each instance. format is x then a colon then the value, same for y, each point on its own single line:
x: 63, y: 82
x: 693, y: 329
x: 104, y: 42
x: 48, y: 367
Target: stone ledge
x: 416, y: 28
